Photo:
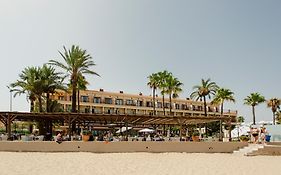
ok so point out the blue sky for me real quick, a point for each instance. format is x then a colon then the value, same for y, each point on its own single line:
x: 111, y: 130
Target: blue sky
x: 235, y: 43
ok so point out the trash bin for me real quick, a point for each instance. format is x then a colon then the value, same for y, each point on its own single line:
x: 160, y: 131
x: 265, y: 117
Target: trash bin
x: 267, y: 138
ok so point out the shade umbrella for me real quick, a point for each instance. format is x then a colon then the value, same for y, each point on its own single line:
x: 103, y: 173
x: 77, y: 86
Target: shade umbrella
x: 123, y: 129
x: 146, y: 130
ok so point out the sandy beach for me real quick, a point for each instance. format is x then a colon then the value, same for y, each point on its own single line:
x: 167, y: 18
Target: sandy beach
x: 136, y: 163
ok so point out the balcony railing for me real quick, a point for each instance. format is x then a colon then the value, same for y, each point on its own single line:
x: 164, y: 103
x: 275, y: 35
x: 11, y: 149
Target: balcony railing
x: 187, y: 108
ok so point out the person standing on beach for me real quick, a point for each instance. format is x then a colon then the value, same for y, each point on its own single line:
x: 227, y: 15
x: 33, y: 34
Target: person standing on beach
x: 255, y: 134
x: 262, y: 135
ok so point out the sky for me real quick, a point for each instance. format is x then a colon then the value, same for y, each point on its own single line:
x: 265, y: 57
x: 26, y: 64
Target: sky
x: 235, y: 43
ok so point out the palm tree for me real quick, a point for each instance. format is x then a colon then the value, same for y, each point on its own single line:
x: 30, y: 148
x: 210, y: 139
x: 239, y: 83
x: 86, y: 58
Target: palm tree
x: 163, y: 77
x: 274, y: 104
x: 253, y: 100
x: 52, y: 81
x: 30, y: 83
x: 154, y: 84
x: 206, y: 89
x: 76, y: 62
x: 172, y: 89
x: 221, y: 96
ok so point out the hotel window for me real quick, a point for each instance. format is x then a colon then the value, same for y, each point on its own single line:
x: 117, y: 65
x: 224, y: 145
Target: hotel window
x: 97, y: 100
x: 119, y: 101
x: 85, y: 98
x: 166, y: 105
x: 148, y: 104
x: 87, y: 110
x: 139, y: 103
x: 217, y: 109
x: 129, y: 102
x: 193, y: 107
x: 177, y: 106
x: 108, y: 100
x: 70, y: 98
x: 159, y: 105
x: 184, y: 107
x: 61, y: 98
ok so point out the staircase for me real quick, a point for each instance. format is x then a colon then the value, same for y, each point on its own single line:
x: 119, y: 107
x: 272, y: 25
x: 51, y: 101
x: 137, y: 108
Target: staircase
x: 246, y: 151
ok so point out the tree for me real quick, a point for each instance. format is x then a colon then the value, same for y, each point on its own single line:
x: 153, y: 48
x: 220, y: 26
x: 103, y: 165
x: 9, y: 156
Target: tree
x: 153, y: 83
x: 76, y: 62
x: 221, y: 96
x: 30, y: 83
x: 51, y: 82
x: 206, y: 89
x: 35, y: 81
x: 253, y: 100
x: 274, y: 104
x: 162, y: 83
x: 173, y: 87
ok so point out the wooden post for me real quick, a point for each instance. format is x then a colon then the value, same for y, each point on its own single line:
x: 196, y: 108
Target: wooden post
x: 220, y: 137
x: 69, y: 128
x: 126, y: 130
x: 229, y: 131
x: 9, y: 126
x: 164, y: 130
x: 180, y: 131
x: 51, y: 127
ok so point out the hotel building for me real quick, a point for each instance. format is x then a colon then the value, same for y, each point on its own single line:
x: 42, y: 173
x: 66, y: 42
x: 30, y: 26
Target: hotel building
x: 102, y: 102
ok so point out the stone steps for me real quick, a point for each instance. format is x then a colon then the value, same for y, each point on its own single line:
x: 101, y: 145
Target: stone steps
x: 249, y: 149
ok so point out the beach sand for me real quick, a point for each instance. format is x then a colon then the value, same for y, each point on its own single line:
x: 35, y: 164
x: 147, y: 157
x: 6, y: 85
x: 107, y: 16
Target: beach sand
x: 136, y: 164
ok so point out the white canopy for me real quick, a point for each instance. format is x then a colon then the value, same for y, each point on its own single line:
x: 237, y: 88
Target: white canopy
x: 146, y: 130
x: 123, y: 129
x: 243, y: 130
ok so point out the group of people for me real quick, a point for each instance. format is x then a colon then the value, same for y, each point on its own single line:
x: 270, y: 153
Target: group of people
x: 258, y: 135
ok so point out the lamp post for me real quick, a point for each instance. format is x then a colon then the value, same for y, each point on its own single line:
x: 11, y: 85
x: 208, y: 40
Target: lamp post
x: 11, y: 98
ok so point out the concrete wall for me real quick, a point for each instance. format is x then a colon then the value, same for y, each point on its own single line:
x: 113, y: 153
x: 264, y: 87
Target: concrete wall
x: 120, y: 147
x: 269, y: 150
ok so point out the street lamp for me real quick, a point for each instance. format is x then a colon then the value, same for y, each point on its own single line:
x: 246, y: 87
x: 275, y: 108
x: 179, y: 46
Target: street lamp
x: 11, y: 96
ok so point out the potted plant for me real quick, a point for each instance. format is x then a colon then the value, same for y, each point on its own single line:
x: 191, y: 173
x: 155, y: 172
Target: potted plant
x: 195, y: 136
x: 86, y: 135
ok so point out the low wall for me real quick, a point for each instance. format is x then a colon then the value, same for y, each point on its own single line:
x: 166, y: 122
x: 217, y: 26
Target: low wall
x: 122, y: 147
x: 272, y: 149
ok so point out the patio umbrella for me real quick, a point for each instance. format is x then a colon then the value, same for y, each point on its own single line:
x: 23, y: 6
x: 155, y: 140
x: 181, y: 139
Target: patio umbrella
x: 146, y: 130
x: 123, y: 129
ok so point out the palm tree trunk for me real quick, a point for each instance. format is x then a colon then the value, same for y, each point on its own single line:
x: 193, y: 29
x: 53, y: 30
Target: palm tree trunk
x: 254, y: 116
x: 163, y: 104
x: 40, y: 104
x: 205, y: 113
x: 78, y: 100
x: 273, y: 118
x: 221, y: 122
x: 47, y: 102
x: 153, y: 93
x: 74, y: 85
x: 31, y: 105
x: 41, y: 123
x: 205, y: 106
x: 170, y: 98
